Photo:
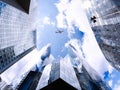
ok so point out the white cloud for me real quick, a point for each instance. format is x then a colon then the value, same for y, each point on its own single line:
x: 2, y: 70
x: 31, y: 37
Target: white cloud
x: 49, y: 60
x: 87, y: 4
x: 47, y: 21
x: 53, y: 23
x: 45, y: 49
x: 61, y: 21
x: 110, y: 83
x: 45, y: 52
x: 61, y: 6
x: 72, y: 13
x: 117, y: 86
x: 110, y: 68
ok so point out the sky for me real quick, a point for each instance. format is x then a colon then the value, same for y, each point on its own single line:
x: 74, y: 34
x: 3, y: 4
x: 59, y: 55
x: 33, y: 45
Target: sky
x: 68, y: 16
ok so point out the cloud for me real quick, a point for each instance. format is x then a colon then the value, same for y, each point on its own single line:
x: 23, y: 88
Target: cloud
x: 110, y: 69
x: 61, y: 18
x: 49, y: 60
x: 61, y: 21
x: 47, y: 21
x: 71, y: 14
x: 117, y: 86
x: 45, y: 56
x: 110, y: 83
x: 46, y: 51
x: 86, y: 4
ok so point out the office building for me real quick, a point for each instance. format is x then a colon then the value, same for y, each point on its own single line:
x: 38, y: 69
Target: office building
x: 104, y: 18
x: 17, y: 30
x: 62, y: 74
x: 71, y: 72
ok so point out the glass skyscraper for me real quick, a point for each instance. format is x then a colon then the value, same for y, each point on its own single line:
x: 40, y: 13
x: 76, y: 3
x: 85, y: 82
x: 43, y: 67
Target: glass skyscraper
x: 70, y: 73
x: 104, y: 18
x: 18, y: 38
x: 17, y: 30
x: 62, y: 74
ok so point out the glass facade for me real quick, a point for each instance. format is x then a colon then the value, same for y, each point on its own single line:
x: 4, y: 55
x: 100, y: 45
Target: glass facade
x: 5, y: 56
x: 64, y: 70
x: 106, y: 11
x: 67, y: 73
x: 106, y: 14
x: 55, y: 69
x: 44, y: 77
x: 61, y: 69
x: 17, y: 33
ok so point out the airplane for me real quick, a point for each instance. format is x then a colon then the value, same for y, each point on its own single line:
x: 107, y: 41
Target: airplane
x: 59, y: 31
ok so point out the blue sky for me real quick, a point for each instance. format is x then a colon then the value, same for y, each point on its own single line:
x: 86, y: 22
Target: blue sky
x: 68, y: 16
x: 63, y: 15
x: 48, y: 9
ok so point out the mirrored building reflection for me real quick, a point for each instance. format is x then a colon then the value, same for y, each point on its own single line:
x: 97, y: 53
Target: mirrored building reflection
x: 104, y: 18
x: 62, y: 74
x: 18, y: 38
x: 17, y: 32
x: 17, y: 35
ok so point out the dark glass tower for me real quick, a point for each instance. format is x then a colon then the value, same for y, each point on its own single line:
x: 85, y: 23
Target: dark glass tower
x: 70, y: 73
x: 17, y: 30
x: 63, y: 75
x: 104, y: 17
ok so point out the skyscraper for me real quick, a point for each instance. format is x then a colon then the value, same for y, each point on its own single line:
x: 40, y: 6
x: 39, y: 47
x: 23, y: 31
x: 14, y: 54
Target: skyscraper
x: 71, y: 72
x: 63, y: 75
x: 104, y: 17
x: 58, y: 73
x: 17, y: 30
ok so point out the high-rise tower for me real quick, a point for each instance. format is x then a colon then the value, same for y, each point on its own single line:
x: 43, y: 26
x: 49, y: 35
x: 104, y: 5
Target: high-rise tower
x: 71, y: 72
x: 17, y: 30
x: 63, y: 75
x: 104, y: 17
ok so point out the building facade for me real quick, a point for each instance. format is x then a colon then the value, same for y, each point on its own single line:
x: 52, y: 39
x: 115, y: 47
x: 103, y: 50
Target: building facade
x: 62, y: 74
x: 17, y: 30
x: 104, y: 18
